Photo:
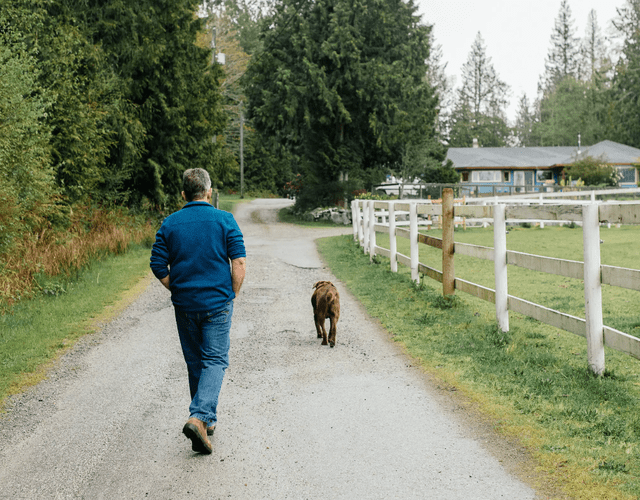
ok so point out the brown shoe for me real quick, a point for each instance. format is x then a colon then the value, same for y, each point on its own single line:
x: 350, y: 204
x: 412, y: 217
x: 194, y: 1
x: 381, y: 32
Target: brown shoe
x: 196, y: 430
x: 210, y: 430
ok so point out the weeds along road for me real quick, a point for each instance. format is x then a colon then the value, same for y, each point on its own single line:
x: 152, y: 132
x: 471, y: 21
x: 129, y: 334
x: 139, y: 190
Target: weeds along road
x: 296, y: 420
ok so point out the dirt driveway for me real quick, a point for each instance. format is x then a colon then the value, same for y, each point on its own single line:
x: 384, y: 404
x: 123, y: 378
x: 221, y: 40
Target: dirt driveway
x: 296, y: 420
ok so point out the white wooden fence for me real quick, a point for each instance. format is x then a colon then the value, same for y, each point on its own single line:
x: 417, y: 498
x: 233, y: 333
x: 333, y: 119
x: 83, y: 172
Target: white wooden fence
x: 366, y: 214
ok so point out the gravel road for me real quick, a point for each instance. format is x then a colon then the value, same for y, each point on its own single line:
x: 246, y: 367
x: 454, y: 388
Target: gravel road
x: 296, y: 420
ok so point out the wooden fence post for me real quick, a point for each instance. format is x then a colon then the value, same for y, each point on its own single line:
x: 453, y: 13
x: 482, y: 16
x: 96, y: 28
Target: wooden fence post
x: 593, y: 288
x: 500, y: 266
x: 372, y: 230
x: 413, y: 238
x: 365, y: 225
x: 448, y: 269
x: 393, y: 243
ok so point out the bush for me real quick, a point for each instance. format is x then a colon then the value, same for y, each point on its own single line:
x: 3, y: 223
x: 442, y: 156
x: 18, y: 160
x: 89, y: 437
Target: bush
x: 592, y: 172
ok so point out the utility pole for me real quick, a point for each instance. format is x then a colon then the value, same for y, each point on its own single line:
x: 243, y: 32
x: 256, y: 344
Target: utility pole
x: 241, y: 152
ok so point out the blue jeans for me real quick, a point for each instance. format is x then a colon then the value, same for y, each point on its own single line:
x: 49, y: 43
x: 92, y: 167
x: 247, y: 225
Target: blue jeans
x: 205, y: 345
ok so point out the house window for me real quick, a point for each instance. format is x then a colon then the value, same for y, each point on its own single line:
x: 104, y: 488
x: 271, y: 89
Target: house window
x: 486, y: 176
x: 626, y: 175
x: 506, y: 176
x: 543, y: 176
x: 465, y: 176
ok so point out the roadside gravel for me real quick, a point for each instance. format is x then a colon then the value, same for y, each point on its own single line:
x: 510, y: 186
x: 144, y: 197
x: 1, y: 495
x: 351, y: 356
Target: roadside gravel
x: 296, y: 420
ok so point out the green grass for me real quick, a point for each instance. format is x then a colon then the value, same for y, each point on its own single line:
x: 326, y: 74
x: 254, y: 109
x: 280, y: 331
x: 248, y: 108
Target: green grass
x: 584, y: 431
x: 619, y: 248
x: 227, y: 202
x: 36, y: 331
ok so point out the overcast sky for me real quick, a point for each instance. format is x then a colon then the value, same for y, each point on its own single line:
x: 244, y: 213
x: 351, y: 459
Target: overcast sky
x: 517, y: 34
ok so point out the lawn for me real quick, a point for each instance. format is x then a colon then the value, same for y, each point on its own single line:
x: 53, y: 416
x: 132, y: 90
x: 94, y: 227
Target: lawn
x: 583, y: 430
x: 619, y: 248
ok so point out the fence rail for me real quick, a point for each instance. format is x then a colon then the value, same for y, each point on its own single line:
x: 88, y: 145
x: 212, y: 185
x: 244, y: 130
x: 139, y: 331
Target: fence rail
x: 371, y: 217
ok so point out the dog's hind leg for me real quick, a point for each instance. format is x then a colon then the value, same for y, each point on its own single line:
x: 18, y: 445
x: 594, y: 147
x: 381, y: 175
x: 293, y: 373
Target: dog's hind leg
x: 317, y: 321
x: 332, y: 330
x: 324, y: 331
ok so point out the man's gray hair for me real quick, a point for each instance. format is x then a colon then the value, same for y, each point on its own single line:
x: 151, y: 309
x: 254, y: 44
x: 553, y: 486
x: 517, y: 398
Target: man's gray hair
x: 195, y: 183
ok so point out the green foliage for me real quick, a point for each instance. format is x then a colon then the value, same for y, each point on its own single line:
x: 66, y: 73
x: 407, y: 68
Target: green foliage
x: 592, y: 171
x: 443, y: 174
x: 563, y: 59
x: 344, y: 90
x: 625, y: 93
x: 173, y: 89
x: 267, y: 165
x: 570, y: 108
x: 27, y: 186
x: 479, y: 110
x: 132, y: 101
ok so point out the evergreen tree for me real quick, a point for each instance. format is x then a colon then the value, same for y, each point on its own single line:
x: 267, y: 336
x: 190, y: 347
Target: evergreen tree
x: 441, y: 83
x: 342, y: 86
x: 594, y: 50
x: 79, y: 84
x: 563, y: 59
x: 573, y: 102
x: 625, y: 93
x: 525, y: 119
x: 562, y: 115
x: 479, y: 111
x: 172, y: 89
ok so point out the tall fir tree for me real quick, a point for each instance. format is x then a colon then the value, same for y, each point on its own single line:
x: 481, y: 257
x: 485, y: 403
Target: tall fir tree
x: 625, y: 94
x: 480, y: 108
x: 572, y: 108
x: 525, y: 120
x: 594, y: 50
x: 342, y: 86
x: 172, y: 89
x: 563, y: 58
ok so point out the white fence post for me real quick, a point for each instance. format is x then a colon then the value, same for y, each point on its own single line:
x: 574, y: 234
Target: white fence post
x: 360, y: 209
x: 354, y: 218
x: 365, y: 225
x: 372, y: 230
x: 393, y: 243
x: 413, y: 238
x: 500, y: 266
x: 593, y: 288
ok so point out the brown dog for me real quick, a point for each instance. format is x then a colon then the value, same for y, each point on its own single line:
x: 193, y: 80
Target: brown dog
x: 326, y: 304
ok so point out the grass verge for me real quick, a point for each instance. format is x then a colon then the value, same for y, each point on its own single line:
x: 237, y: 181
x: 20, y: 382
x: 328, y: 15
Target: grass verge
x: 228, y: 202
x: 36, y: 331
x: 583, y: 431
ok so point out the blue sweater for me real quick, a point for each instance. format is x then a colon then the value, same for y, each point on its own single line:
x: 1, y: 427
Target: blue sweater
x: 197, y: 243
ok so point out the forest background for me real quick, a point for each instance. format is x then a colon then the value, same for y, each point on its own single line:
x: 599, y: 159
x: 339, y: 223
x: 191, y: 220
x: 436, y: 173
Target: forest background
x: 104, y: 103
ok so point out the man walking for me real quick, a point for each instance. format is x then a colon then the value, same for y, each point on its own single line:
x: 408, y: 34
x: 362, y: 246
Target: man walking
x: 199, y: 255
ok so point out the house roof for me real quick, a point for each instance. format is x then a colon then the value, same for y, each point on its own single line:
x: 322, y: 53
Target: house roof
x: 540, y: 157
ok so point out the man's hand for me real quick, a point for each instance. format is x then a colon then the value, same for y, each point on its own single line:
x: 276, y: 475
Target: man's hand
x: 165, y: 281
x: 238, y: 269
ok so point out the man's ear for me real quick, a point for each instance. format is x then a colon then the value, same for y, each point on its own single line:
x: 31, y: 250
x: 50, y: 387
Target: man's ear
x: 183, y: 196
x: 209, y: 194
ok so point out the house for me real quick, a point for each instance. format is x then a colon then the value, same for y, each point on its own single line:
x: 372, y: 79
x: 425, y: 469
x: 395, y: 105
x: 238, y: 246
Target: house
x: 533, y: 169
